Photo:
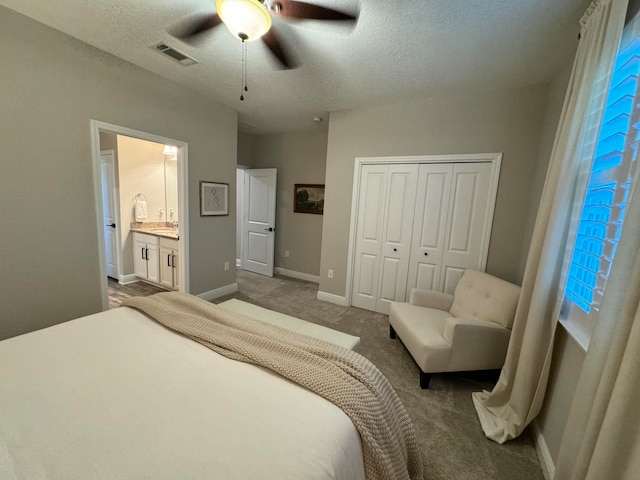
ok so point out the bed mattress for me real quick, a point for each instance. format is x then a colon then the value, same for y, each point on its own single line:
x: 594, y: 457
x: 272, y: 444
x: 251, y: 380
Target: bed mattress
x: 116, y: 395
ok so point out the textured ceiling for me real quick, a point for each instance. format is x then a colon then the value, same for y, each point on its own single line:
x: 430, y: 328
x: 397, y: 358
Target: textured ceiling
x: 398, y: 50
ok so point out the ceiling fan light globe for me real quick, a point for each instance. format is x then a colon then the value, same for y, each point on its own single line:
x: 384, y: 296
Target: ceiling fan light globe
x: 246, y: 19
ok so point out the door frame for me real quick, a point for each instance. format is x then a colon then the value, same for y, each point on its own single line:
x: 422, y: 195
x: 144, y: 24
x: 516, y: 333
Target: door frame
x: 494, y: 158
x: 240, y: 215
x: 97, y: 126
x: 116, y: 206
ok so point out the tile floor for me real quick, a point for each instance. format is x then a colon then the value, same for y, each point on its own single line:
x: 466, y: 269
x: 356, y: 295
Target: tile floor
x: 117, y: 292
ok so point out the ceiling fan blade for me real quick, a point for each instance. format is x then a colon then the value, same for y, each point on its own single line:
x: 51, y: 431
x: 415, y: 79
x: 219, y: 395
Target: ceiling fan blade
x: 196, y: 25
x: 303, y: 10
x: 273, y: 43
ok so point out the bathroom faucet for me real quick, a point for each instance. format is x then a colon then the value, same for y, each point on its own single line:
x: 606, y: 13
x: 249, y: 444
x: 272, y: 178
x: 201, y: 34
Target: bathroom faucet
x: 174, y: 223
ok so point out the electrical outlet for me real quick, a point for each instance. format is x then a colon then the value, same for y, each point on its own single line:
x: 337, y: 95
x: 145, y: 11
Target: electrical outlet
x: 226, y: 266
x: 330, y: 273
x: 286, y: 253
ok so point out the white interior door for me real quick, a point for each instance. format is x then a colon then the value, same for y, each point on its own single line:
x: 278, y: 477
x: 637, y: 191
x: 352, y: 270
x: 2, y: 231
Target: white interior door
x: 108, y: 180
x: 396, y: 234
x: 383, y: 235
x: 470, y: 220
x: 371, y: 200
x: 430, y: 223
x: 259, y: 220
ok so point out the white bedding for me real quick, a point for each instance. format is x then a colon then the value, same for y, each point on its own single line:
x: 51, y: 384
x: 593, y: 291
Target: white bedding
x: 115, y: 395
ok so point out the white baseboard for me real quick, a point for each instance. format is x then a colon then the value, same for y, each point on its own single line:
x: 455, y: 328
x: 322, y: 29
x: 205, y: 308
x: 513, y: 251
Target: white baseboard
x: 542, y: 450
x: 331, y: 298
x: 299, y: 275
x: 126, y: 279
x: 218, y: 292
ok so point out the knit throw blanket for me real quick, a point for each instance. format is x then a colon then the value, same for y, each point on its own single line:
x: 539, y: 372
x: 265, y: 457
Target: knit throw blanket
x: 343, y: 377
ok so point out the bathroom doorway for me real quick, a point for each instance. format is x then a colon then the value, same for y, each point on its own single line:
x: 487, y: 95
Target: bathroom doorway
x: 132, y: 170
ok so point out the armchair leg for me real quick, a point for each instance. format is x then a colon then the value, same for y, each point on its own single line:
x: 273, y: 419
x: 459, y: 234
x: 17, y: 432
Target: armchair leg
x: 392, y: 332
x: 425, y: 378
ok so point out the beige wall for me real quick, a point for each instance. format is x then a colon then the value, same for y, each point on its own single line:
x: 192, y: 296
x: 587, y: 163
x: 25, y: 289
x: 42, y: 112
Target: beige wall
x: 300, y: 158
x: 507, y: 121
x: 566, y: 366
x: 50, y: 89
x: 141, y: 170
x: 245, y: 149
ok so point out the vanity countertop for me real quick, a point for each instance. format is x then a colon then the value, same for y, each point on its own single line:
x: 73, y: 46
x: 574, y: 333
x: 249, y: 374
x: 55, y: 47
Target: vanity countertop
x: 159, y: 229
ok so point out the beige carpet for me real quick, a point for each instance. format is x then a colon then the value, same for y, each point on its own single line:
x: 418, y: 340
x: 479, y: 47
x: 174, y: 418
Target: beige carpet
x: 451, y: 440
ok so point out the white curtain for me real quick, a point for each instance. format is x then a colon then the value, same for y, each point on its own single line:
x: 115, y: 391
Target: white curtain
x: 517, y: 397
x: 602, y: 436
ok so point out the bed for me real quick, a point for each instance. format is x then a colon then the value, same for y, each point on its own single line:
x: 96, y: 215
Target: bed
x: 117, y: 395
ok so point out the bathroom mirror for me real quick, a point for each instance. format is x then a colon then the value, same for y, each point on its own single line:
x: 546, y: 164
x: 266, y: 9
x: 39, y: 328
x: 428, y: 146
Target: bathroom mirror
x: 171, y: 188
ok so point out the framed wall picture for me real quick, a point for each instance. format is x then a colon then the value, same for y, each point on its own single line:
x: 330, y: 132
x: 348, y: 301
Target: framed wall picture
x: 214, y: 198
x: 308, y: 198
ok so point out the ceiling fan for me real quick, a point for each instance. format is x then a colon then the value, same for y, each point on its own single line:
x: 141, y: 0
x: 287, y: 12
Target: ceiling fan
x: 250, y: 20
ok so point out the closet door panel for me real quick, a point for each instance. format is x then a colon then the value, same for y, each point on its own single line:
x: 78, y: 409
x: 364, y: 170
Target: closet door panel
x: 462, y: 213
x: 451, y: 277
x: 430, y: 222
x: 427, y: 277
x: 469, y: 219
x: 368, y: 268
x: 391, y: 271
x: 401, y: 185
x: 371, y: 198
x: 397, y: 232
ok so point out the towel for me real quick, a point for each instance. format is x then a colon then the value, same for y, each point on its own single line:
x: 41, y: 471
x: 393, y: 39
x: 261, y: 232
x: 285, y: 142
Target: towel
x: 141, y: 210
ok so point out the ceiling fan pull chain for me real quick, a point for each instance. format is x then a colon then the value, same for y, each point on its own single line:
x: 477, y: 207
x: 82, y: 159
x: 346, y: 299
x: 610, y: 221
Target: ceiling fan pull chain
x: 244, y: 70
x: 246, y: 76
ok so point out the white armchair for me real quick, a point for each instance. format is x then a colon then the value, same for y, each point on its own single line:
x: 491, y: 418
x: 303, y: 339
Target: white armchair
x: 468, y: 330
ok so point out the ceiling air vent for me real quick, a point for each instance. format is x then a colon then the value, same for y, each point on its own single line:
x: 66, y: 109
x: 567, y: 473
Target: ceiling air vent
x: 174, y: 54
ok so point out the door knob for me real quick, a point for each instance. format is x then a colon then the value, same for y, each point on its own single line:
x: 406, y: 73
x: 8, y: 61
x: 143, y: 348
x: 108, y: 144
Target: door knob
x: 270, y: 229
x: 395, y: 249
x: 113, y: 225
x: 426, y: 254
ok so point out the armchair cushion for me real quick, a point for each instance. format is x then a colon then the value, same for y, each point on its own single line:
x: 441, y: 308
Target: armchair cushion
x: 484, y: 297
x: 431, y: 299
x: 421, y: 330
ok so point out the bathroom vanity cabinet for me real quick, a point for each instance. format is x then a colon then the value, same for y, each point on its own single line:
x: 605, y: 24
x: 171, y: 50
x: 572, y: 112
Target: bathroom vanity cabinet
x: 169, y: 261
x: 145, y: 257
x: 157, y: 259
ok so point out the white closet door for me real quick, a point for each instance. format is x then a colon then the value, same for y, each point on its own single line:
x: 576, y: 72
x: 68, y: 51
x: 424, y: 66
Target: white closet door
x: 371, y: 200
x: 469, y: 221
x: 396, y: 234
x: 430, y: 223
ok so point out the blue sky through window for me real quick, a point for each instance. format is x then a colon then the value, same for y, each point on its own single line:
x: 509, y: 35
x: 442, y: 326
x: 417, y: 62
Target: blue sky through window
x: 605, y: 201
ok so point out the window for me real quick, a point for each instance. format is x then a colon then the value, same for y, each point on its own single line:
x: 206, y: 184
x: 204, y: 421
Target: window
x: 604, y: 205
